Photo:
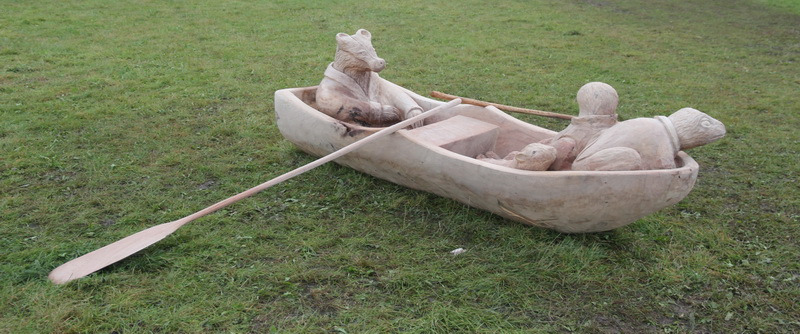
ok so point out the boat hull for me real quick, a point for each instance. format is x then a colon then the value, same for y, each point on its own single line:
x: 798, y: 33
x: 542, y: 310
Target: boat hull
x: 565, y: 201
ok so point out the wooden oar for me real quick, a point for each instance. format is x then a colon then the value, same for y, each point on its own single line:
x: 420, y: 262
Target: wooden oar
x: 127, y: 246
x: 501, y: 106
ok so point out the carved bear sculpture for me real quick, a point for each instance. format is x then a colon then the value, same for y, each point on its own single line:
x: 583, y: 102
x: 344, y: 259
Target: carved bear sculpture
x: 353, y: 92
x: 649, y: 143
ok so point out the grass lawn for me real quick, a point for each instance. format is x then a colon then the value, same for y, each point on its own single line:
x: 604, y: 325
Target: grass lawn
x: 116, y: 116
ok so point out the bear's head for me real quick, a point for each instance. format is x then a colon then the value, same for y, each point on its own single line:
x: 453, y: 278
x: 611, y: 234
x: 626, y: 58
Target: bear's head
x: 356, y: 51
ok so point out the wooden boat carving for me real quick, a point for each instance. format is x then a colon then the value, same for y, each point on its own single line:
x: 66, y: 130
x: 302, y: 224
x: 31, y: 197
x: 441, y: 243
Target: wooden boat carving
x: 439, y: 158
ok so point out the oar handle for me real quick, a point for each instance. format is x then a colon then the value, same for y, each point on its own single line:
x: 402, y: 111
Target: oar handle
x: 501, y: 106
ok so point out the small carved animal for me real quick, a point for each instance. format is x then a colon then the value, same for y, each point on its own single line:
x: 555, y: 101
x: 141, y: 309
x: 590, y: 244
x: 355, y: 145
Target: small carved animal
x: 353, y: 92
x: 535, y: 157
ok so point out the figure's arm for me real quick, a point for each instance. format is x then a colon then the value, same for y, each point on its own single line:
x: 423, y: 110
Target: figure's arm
x: 502, y: 162
x: 395, y: 95
x: 339, y: 105
x: 564, y: 155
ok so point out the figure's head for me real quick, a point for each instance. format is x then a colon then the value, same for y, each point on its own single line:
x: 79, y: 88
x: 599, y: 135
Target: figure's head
x: 356, y: 51
x: 597, y: 98
x: 695, y: 128
x: 536, y: 156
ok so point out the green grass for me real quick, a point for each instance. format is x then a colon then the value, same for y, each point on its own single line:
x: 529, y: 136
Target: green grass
x: 117, y: 116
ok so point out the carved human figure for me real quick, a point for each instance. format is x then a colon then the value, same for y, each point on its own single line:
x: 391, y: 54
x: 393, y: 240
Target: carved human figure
x: 352, y: 91
x: 598, y: 105
x: 536, y: 157
x: 649, y: 143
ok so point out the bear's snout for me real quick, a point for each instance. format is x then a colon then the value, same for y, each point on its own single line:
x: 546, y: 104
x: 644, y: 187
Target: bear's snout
x: 376, y: 64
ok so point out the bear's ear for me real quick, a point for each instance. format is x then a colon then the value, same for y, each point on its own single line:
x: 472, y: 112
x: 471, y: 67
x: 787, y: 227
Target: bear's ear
x: 344, y: 40
x: 365, y: 33
x: 341, y: 36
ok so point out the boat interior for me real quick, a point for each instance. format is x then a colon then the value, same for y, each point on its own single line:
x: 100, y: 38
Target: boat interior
x: 465, y: 129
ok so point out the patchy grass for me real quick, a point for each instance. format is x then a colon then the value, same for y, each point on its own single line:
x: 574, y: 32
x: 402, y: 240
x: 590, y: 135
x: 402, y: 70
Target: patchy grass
x: 117, y: 116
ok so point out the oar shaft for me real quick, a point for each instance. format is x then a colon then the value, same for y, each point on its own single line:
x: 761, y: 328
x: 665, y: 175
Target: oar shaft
x: 501, y: 106
x: 321, y: 161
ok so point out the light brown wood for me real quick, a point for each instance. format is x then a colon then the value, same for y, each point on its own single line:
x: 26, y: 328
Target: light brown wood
x: 566, y: 201
x: 352, y: 91
x: 100, y: 258
x: 467, y: 100
x: 460, y: 134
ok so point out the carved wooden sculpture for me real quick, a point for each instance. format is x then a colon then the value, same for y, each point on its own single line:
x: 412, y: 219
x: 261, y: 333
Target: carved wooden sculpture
x: 595, y: 141
x: 649, y: 143
x: 535, y: 156
x: 353, y: 92
x: 598, y: 106
x: 439, y: 158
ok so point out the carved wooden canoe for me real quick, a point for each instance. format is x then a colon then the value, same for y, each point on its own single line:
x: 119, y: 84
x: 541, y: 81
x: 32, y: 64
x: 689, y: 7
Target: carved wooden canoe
x: 438, y: 158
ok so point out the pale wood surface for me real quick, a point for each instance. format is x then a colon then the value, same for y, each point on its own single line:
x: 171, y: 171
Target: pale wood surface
x: 125, y: 247
x: 536, y: 156
x: 566, y: 201
x: 352, y: 90
x: 460, y: 134
x: 649, y: 143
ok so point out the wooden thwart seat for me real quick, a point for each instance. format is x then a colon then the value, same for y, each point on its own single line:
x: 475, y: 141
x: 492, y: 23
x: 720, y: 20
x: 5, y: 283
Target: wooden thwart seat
x: 460, y: 134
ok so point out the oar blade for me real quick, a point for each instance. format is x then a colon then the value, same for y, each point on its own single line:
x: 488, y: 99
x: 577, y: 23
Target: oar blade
x: 105, y: 256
